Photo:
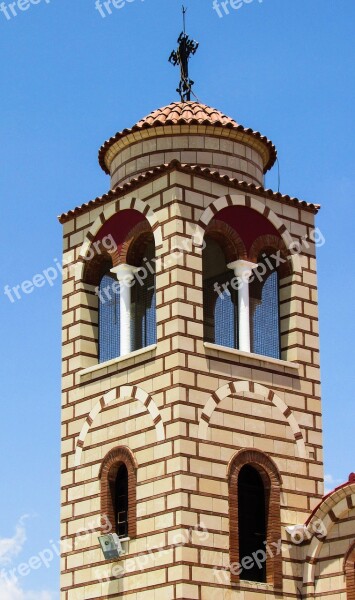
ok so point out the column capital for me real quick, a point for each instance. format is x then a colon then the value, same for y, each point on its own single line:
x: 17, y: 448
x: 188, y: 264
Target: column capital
x: 124, y: 272
x: 242, y: 268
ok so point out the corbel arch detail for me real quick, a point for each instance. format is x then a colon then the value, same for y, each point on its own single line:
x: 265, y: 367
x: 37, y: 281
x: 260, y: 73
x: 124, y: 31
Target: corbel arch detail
x: 240, y: 387
x: 125, y: 392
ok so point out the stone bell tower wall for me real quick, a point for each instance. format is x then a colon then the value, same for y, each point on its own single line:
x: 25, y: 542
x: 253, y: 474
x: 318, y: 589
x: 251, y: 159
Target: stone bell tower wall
x: 184, y: 408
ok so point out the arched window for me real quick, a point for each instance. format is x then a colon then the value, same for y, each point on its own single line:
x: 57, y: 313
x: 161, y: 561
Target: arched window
x: 265, y: 309
x: 220, y: 298
x: 109, y: 318
x: 119, y: 278
x: 254, y: 518
x: 350, y: 573
x: 245, y: 271
x: 120, y: 499
x: 118, y: 492
x: 252, y: 522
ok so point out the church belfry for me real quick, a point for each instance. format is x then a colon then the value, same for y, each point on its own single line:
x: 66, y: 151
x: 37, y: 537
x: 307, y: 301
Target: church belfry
x: 191, y: 417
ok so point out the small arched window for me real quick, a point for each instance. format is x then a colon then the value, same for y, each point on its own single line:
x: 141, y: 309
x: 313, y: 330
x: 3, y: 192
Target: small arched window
x: 265, y: 310
x: 252, y: 522
x: 118, y: 492
x: 254, y: 518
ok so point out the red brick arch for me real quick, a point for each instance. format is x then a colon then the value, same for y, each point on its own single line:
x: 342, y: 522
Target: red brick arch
x: 271, y: 478
x: 108, y: 473
x: 271, y: 244
x: 133, y: 248
x: 131, y: 252
x: 228, y: 239
x: 98, y: 266
x: 349, y: 568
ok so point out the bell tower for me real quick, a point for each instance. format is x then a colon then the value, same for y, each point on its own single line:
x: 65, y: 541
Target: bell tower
x: 191, y: 414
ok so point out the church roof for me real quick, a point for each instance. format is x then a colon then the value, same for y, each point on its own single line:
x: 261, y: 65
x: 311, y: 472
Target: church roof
x: 343, y: 486
x: 205, y: 173
x: 187, y: 113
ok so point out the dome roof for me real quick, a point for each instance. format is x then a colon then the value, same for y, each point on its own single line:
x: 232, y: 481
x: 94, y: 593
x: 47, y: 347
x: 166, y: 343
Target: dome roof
x: 178, y: 113
x: 187, y: 113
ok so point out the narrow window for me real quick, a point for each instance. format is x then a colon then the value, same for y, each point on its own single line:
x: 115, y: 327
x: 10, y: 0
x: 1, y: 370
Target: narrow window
x: 109, y: 319
x: 252, y: 522
x: 118, y: 476
x: 265, y: 312
x: 223, y: 308
x: 144, y: 327
x: 121, y: 501
x: 220, y: 300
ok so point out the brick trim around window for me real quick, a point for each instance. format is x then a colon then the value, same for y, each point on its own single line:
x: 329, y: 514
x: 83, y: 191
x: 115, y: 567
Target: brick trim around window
x: 97, y: 267
x: 271, y: 244
x: 228, y: 239
x: 272, y: 483
x: 108, y: 472
x: 134, y: 246
x: 349, y: 567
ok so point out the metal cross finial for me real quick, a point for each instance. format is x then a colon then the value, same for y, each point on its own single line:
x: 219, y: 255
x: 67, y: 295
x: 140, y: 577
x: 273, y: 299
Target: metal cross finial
x: 184, y: 11
x: 181, y: 57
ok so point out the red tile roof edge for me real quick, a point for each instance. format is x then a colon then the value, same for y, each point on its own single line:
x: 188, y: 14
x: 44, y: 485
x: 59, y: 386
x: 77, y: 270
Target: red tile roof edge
x: 205, y: 172
x: 200, y: 115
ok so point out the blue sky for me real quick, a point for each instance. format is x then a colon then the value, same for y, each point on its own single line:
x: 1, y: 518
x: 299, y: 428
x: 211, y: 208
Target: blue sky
x: 70, y: 79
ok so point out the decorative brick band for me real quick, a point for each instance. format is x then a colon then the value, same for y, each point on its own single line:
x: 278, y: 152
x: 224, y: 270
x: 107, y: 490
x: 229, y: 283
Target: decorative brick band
x: 125, y: 392
x: 271, y: 478
x: 251, y: 388
x: 107, y: 475
x: 241, y: 200
x: 114, y: 207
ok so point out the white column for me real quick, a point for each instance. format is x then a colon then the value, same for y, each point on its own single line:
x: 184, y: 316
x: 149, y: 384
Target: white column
x: 243, y: 270
x: 125, y: 276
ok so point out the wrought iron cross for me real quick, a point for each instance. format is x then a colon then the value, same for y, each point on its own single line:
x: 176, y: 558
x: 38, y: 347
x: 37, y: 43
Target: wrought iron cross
x: 181, y: 57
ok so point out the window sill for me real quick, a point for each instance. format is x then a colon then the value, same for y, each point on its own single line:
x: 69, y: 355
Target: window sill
x: 253, y: 358
x: 254, y: 585
x: 111, y: 366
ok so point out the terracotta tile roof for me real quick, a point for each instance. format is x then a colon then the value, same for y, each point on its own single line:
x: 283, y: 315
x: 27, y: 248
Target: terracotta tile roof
x: 175, y: 165
x: 187, y: 113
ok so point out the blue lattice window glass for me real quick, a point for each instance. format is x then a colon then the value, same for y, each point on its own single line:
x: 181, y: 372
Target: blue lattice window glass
x: 265, y: 315
x: 221, y: 311
x: 109, y: 319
